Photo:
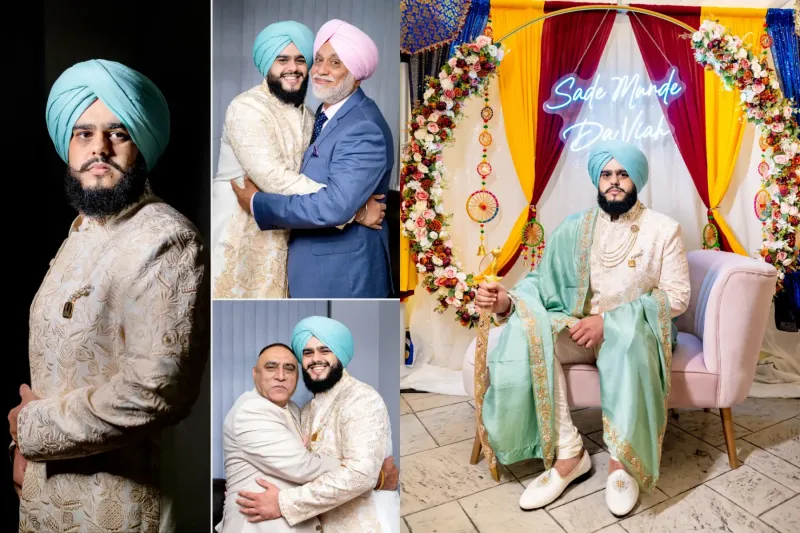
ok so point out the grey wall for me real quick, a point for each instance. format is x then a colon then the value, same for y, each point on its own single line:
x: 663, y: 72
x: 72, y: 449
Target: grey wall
x: 243, y: 328
x: 237, y: 22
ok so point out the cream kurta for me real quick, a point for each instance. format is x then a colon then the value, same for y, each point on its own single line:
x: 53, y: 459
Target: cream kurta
x: 127, y: 363
x: 658, y: 254
x: 351, y: 422
x: 262, y: 440
x: 264, y: 139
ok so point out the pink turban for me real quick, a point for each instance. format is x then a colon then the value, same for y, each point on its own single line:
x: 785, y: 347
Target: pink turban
x: 354, y: 47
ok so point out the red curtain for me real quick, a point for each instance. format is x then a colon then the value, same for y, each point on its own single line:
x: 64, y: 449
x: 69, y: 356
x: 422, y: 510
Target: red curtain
x: 658, y: 38
x: 565, y: 40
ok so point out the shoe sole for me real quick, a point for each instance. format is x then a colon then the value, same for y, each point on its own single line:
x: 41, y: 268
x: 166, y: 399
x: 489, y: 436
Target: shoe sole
x: 583, y: 477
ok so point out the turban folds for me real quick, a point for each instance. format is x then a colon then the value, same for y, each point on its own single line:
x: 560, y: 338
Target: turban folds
x: 629, y: 156
x: 275, y: 37
x: 132, y: 97
x: 354, y: 47
x: 331, y: 333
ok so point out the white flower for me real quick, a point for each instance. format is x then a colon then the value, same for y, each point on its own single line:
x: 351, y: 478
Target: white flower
x: 493, y: 50
x: 500, y: 54
x: 458, y: 71
x: 459, y: 295
x: 438, y: 208
x: 410, y: 224
x: 784, y: 208
x: 433, y: 235
x: 420, y: 135
x: 697, y: 36
x: 417, y: 157
x: 447, y: 84
x: 699, y: 56
x: 425, y: 243
x: 437, y: 261
x: 421, y: 268
x: 452, y: 61
x: 443, y: 291
x: 443, y: 235
x: 741, y: 54
x: 471, y: 60
x: 793, y: 210
x: 473, y: 75
x: 781, y: 275
x: 427, y: 94
x: 788, y: 261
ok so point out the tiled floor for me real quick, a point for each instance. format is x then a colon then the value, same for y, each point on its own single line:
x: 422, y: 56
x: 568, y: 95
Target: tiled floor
x: 698, y: 491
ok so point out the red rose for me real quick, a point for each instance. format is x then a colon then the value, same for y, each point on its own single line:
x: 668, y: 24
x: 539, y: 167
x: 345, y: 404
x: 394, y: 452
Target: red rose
x: 435, y: 225
x: 452, y: 282
x: 448, y: 251
x: 442, y: 122
x: 446, y: 262
x: 423, y: 261
x: 784, y: 190
x: 790, y: 240
x: 426, y: 162
x: 414, y: 126
x: 443, y: 135
x: 768, y: 259
x: 414, y: 257
x: 430, y: 267
x: 465, y: 77
x: 461, y: 63
x: 427, y: 183
x: 426, y: 112
x: 456, y: 107
x: 794, y: 221
x: 441, y: 106
x: 450, y: 93
x: 438, y: 248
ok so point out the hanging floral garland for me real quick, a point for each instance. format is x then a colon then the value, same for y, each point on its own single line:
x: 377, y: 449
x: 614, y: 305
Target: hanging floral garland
x: 776, y: 204
x: 422, y: 212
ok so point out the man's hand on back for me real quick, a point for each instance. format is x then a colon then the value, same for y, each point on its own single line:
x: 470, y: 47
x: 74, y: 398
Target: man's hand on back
x: 372, y: 213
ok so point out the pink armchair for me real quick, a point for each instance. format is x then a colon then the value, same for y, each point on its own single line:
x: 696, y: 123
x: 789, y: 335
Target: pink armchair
x: 719, y: 341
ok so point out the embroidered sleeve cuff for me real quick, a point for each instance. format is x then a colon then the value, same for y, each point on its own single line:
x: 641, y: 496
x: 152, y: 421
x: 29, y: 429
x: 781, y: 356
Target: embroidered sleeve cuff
x: 502, y: 318
x: 285, y: 497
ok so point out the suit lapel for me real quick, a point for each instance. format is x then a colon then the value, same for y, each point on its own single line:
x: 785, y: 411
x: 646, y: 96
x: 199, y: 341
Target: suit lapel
x: 352, y: 102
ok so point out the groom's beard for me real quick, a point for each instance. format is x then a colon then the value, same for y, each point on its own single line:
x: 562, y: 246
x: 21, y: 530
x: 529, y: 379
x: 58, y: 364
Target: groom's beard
x: 99, y: 202
x: 326, y: 384
x: 295, y: 98
x: 618, y: 207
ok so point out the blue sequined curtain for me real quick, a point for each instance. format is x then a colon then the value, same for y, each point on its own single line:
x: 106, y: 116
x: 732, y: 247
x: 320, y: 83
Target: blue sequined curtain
x: 785, y: 52
x: 474, y: 25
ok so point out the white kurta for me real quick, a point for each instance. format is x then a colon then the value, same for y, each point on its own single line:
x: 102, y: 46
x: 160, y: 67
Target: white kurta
x: 263, y: 440
x: 125, y: 363
x: 351, y: 422
x: 264, y: 139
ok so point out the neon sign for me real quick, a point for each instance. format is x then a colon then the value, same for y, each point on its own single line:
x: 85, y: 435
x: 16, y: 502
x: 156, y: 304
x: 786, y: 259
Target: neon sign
x: 628, y: 92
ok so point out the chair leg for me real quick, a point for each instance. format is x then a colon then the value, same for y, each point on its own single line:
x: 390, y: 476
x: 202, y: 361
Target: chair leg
x: 730, y: 440
x: 706, y: 410
x: 476, y: 451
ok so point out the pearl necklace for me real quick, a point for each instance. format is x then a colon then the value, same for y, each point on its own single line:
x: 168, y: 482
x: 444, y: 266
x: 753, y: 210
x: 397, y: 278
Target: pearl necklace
x: 616, y: 256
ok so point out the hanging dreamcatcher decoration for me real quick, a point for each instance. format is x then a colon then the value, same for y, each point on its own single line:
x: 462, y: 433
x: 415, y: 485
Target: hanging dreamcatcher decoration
x: 532, y: 240
x: 482, y: 205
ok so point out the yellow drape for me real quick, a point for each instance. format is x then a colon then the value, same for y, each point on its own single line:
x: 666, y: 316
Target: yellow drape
x: 518, y: 78
x: 725, y: 123
x: 408, y: 270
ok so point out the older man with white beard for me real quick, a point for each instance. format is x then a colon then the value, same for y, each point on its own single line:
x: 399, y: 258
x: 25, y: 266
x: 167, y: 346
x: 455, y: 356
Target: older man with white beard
x: 351, y: 153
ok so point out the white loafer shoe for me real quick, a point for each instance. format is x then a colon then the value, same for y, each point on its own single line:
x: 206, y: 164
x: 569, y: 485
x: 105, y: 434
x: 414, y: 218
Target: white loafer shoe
x: 547, y: 487
x: 622, y: 492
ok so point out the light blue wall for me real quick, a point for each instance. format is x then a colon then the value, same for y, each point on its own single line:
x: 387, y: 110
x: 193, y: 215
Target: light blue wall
x: 243, y: 328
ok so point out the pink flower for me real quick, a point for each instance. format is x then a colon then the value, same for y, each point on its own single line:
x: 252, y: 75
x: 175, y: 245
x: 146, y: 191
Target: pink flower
x: 440, y: 282
x: 744, y: 63
x: 758, y: 113
x: 440, y: 157
x: 474, y: 47
x: 781, y: 256
x: 450, y: 272
x: 452, y: 62
x: 422, y: 195
x: 450, y: 94
x: 433, y: 128
x: 420, y: 222
x: 483, y: 40
x: 454, y: 78
x: 758, y: 88
x: 777, y: 127
x: 420, y: 120
x: 781, y: 159
x: 429, y: 214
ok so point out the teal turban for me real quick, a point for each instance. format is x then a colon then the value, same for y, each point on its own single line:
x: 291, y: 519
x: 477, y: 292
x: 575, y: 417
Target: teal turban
x: 275, y: 37
x: 331, y: 333
x: 133, y: 98
x: 629, y: 156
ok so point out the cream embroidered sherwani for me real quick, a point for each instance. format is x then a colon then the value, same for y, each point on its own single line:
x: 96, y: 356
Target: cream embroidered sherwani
x: 263, y: 440
x: 126, y: 363
x: 264, y: 139
x: 350, y: 422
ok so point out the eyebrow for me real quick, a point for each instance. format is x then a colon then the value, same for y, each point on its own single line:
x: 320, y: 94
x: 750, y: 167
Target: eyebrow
x: 299, y: 56
x: 321, y: 347
x: 332, y: 56
x: 92, y: 127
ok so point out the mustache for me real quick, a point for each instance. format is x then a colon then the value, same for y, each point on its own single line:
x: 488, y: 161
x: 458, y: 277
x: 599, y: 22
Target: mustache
x: 613, y: 188
x: 322, y: 363
x: 103, y: 160
x: 295, y: 73
x: 324, y: 78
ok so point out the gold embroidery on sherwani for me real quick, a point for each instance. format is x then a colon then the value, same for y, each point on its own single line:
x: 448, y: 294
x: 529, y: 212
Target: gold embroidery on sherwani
x: 128, y: 361
x: 622, y: 450
x: 353, y: 425
x: 544, y: 408
x: 584, y: 264
x: 266, y: 135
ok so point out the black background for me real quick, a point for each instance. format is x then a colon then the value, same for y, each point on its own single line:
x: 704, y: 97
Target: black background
x: 169, y: 42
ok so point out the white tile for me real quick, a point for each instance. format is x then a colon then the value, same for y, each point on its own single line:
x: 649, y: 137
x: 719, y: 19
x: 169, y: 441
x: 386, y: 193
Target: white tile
x: 752, y: 491
x: 449, y: 424
x: 403, y: 526
x: 404, y: 407
x: 613, y: 528
x: 431, y: 401
x: 687, y: 462
x: 700, y: 509
x: 786, y: 517
x: 706, y: 426
x: 756, y: 414
x: 441, y: 475
x: 413, y: 436
x: 447, y: 518
x: 591, y: 513
x: 497, y: 511
x: 770, y: 465
x: 782, y: 439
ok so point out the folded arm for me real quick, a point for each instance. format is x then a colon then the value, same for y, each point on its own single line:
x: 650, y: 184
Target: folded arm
x: 357, y: 166
x: 274, y: 449
x: 158, y: 376
x: 364, y: 432
x: 674, y: 280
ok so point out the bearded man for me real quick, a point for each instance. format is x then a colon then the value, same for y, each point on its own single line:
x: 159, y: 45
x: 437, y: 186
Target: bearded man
x: 347, y: 419
x: 116, y: 345
x: 351, y: 152
x: 610, y: 281
x: 266, y: 131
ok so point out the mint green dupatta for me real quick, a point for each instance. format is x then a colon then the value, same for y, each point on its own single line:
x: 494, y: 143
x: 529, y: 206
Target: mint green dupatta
x: 634, y: 362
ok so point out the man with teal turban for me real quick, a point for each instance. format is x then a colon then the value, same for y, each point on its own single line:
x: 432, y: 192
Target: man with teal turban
x: 346, y: 419
x: 609, y: 283
x: 116, y: 348
x: 267, y: 128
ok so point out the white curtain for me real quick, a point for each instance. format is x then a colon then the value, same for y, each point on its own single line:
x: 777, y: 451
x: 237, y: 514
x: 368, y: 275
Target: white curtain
x: 439, y: 340
x: 237, y: 22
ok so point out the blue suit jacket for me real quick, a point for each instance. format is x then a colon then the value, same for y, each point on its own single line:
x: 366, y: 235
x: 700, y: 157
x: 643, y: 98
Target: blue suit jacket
x: 353, y: 156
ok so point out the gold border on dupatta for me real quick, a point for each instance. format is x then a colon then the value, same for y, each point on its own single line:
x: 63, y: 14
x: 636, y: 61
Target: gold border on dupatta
x: 584, y: 259
x: 544, y: 409
x: 619, y: 446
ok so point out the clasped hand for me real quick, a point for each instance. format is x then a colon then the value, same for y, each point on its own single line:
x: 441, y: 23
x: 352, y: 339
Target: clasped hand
x: 588, y: 332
